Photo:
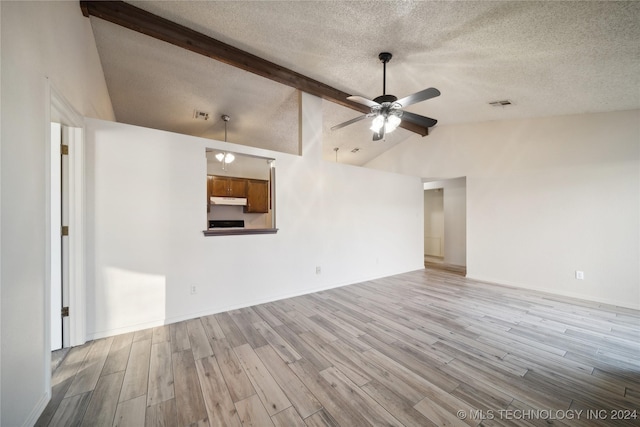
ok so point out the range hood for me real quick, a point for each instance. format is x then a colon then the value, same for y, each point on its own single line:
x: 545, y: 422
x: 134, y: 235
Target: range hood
x: 229, y: 201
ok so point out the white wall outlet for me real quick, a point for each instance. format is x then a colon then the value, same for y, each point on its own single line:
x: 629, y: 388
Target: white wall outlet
x: 579, y: 275
x: 318, y: 269
x: 194, y: 289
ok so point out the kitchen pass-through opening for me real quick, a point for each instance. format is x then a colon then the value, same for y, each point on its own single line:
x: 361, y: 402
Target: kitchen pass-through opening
x: 240, y: 192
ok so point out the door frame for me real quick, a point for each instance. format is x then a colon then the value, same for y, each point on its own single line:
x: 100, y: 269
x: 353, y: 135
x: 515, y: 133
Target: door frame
x: 58, y: 109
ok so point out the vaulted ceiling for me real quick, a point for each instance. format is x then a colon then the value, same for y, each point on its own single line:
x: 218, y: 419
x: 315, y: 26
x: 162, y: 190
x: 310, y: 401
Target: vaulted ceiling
x: 547, y: 58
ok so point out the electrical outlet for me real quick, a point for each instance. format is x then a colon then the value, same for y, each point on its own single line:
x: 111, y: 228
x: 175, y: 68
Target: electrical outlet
x: 194, y: 289
x: 318, y: 269
x: 579, y: 275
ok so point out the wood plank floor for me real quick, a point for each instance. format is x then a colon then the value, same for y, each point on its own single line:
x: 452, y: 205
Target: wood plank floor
x: 427, y: 348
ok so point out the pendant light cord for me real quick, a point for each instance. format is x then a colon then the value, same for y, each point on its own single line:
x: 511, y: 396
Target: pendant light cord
x: 226, y: 119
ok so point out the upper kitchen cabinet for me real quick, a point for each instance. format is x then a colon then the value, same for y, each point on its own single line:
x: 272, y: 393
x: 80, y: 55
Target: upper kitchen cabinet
x: 257, y: 196
x: 221, y: 186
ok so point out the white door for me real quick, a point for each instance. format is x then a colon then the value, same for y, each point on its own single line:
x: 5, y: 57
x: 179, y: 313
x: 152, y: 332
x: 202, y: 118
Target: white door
x: 59, y: 244
x: 64, y: 199
x: 56, y: 239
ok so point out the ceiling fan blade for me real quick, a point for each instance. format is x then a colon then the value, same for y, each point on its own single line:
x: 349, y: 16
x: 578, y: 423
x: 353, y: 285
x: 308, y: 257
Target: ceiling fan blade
x: 348, y: 122
x: 418, y: 119
x: 362, y: 100
x: 423, y: 95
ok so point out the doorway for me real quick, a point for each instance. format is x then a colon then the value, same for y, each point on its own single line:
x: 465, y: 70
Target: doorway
x: 445, y: 224
x: 434, y: 225
x: 65, y: 223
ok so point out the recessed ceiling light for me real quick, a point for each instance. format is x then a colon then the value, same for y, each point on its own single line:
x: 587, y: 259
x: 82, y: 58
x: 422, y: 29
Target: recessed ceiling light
x: 502, y: 103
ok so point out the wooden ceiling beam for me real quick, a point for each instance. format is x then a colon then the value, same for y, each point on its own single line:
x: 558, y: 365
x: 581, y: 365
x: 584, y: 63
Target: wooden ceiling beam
x: 136, y: 19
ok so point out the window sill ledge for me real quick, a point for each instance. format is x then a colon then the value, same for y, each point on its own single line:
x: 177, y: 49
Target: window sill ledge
x: 238, y: 231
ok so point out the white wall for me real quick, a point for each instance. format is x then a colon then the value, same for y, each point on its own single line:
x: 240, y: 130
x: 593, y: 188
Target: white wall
x: 545, y: 197
x: 145, y: 222
x: 39, y: 39
x: 455, y: 222
x: 0, y: 215
x: 434, y: 222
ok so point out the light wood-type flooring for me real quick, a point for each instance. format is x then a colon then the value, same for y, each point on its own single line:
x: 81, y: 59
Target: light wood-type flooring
x: 426, y: 348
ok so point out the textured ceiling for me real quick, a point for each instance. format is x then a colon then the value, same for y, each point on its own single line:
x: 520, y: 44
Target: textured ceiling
x: 548, y: 58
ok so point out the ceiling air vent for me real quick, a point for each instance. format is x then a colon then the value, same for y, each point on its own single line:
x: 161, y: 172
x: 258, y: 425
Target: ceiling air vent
x: 355, y: 150
x: 200, y: 115
x: 502, y: 103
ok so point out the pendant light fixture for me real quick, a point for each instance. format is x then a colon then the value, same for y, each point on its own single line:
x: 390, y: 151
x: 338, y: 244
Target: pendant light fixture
x: 225, y: 158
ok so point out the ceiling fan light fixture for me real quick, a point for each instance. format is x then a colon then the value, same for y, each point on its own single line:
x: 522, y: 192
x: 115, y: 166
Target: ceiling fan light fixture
x: 392, y: 123
x: 377, y: 123
x: 387, y: 115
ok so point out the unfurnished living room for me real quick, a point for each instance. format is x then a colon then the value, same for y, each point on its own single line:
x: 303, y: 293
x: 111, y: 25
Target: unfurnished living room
x: 319, y: 213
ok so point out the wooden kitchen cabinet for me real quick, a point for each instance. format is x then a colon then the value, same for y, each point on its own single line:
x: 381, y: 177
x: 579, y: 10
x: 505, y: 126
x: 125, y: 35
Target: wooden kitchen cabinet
x: 257, y: 196
x: 223, y: 186
x: 237, y: 187
x: 255, y: 190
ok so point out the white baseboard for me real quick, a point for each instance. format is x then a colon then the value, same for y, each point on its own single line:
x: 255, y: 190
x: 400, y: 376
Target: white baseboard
x: 37, y: 410
x: 576, y: 295
x: 243, y: 304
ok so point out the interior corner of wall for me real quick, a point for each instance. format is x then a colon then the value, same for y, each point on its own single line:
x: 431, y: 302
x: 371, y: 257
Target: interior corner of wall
x: 310, y: 125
